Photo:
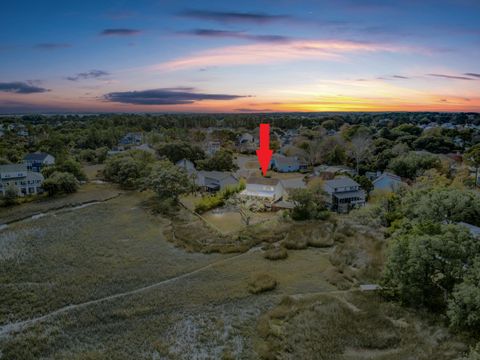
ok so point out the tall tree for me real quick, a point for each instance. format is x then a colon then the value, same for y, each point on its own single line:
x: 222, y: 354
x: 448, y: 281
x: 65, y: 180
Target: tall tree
x: 360, y: 148
x: 168, y: 180
x: 472, y: 156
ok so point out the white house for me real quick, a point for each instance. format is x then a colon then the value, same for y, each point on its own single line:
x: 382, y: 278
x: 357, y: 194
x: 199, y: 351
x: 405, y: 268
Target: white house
x: 387, y: 182
x: 265, y: 188
x: 16, y: 175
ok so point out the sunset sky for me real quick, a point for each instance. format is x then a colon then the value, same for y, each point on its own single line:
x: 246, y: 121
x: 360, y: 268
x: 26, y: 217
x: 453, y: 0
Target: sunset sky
x: 239, y: 56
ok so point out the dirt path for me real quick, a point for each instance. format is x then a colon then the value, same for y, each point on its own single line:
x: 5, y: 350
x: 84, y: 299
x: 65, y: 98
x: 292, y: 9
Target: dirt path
x: 5, y: 330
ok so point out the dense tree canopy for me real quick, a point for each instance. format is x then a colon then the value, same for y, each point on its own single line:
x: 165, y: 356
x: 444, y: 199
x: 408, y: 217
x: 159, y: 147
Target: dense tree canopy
x: 168, y: 180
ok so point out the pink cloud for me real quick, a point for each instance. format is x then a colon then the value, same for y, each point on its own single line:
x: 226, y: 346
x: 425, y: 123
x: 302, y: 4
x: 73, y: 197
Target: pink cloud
x: 264, y: 53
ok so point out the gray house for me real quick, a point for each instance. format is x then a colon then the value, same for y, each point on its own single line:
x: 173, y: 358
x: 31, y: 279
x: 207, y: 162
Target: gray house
x: 282, y: 163
x: 215, y: 180
x: 17, y: 176
x: 344, y: 194
x: 186, y: 165
x: 132, y: 138
x: 387, y: 182
x: 36, y: 161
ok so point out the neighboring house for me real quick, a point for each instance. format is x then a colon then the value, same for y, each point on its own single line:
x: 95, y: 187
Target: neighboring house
x: 145, y: 147
x: 247, y: 143
x: 294, y: 183
x: 343, y: 194
x: 26, y: 182
x: 212, y: 147
x: 215, y: 180
x: 372, y: 175
x: 187, y: 165
x: 387, y: 182
x: 474, y: 230
x: 36, y: 161
x: 328, y: 172
x: 459, y: 142
x: 282, y: 163
x: 264, y: 188
x: 246, y: 138
x: 115, y: 150
x: 135, y: 138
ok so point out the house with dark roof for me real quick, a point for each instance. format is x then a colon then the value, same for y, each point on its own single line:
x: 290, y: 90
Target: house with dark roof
x: 215, y: 180
x: 387, y: 182
x: 36, y: 161
x: 132, y: 138
x: 344, y: 194
x: 17, y: 176
x: 281, y: 163
x: 264, y: 188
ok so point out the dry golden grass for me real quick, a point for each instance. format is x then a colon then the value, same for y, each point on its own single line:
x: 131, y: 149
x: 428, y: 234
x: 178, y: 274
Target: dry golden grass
x: 276, y: 253
x: 260, y: 283
x: 350, y: 326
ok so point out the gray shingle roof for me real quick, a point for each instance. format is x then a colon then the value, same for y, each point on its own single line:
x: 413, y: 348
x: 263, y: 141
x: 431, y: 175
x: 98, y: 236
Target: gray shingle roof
x: 286, y: 160
x: 217, y: 175
x: 35, y: 156
x: 12, y: 168
x: 262, y: 181
x: 341, y: 182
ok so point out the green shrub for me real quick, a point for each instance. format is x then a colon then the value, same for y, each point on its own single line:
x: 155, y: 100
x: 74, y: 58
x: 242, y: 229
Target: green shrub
x: 60, y: 182
x: 208, y: 202
x: 10, y: 197
x: 213, y: 201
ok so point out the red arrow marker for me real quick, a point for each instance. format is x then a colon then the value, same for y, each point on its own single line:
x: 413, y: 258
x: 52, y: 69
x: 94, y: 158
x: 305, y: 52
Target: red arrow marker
x: 264, y: 153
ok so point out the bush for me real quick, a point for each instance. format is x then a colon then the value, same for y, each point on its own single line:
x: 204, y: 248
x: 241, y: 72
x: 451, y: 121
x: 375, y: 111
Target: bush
x: 276, y: 253
x: 213, y: 201
x: 129, y: 168
x: 295, y: 242
x: 309, y: 203
x: 412, y: 164
x: 209, y: 202
x: 60, y: 182
x: 260, y: 283
x: 10, y: 197
x: 222, y: 160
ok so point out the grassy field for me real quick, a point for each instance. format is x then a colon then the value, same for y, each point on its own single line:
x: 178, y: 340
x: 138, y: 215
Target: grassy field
x: 111, y: 284
x: 89, y: 192
x: 348, y: 326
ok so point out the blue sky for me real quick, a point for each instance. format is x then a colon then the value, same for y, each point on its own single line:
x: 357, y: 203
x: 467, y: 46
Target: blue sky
x: 239, y: 56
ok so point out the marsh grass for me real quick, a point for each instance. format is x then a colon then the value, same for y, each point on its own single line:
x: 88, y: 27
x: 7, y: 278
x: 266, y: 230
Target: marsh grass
x: 275, y: 253
x: 324, y: 327
x: 260, y: 283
